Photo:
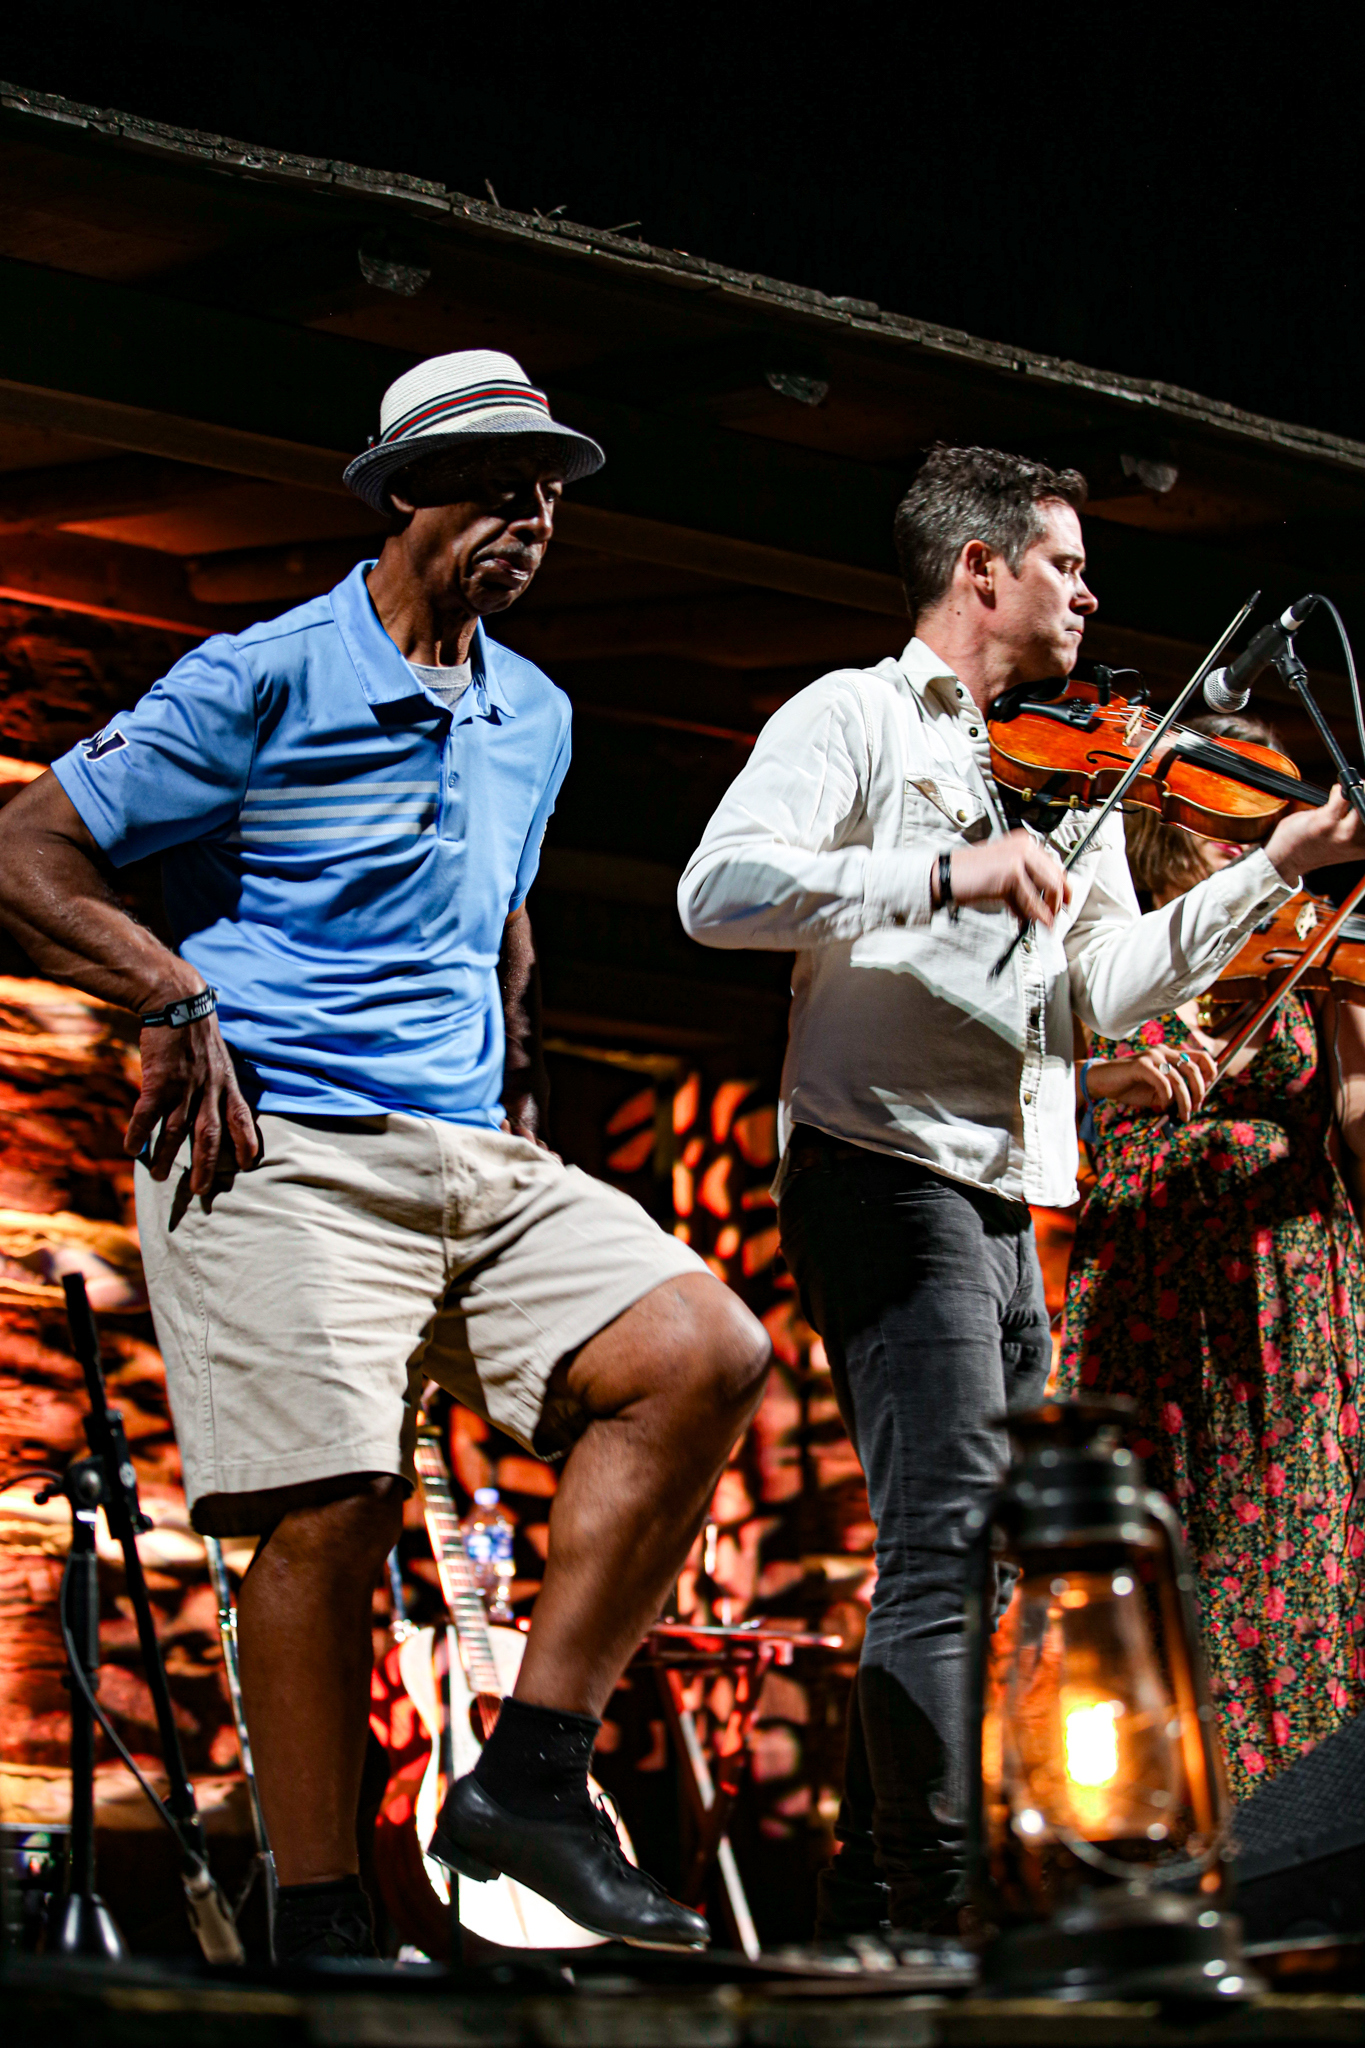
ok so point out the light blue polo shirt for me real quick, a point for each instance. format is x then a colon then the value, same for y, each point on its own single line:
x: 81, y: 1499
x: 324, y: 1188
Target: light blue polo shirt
x: 341, y: 851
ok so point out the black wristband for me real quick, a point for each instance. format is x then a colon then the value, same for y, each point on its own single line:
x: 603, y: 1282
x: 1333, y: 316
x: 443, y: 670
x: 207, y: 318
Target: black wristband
x: 945, y: 885
x: 188, y: 1010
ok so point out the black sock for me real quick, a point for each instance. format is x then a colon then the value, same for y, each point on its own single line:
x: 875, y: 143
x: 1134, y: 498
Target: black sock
x: 332, y: 1918
x: 536, y: 1761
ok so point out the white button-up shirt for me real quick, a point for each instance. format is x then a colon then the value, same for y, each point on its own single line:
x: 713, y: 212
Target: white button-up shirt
x: 900, y: 1038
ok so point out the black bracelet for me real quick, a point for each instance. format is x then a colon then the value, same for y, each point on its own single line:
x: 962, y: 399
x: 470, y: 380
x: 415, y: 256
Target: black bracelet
x: 945, y: 885
x: 188, y: 1010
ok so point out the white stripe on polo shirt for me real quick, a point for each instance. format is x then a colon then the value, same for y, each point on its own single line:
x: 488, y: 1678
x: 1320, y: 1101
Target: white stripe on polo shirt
x: 329, y: 792
x: 335, y: 811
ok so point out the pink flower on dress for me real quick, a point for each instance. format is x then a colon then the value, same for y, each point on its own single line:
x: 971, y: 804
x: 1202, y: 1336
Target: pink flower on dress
x: 1171, y: 1417
x: 1152, y: 1033
x: 1273, y: 1605
x: 1350, y: 1421
x: 1246, y: 1635
x: 1252, y: 1760
x: 1279, y: 1727
x: 1236, y: 1269
x: 1246, y: 1510
x: 1275, y: 1480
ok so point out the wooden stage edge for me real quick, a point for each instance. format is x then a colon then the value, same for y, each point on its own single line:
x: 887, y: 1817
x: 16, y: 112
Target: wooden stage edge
x: 142, y: 2006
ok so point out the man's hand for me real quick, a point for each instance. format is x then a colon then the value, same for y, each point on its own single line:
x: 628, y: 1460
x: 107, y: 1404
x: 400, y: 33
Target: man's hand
x: 1015, y: 871
x: 188, y: 1084
x: 1314, y: 839
x: 523, y: 1118
x: 1161, y: 1078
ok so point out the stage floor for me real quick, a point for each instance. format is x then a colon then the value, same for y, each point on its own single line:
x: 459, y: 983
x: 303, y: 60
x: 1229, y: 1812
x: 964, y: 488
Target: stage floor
x: 720, y: 2002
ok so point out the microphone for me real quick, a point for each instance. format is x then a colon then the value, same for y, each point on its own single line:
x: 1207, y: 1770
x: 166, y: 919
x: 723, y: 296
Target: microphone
x: 1228, y: 689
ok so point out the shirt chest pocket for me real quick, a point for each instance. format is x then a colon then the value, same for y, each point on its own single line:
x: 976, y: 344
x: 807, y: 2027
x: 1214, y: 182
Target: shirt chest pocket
x: 932, y: 801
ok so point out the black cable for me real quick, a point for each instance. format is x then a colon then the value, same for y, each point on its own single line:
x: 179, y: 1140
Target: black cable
x: 23, y: 1472
x: 164, y: 1814
x: 1350, y: 672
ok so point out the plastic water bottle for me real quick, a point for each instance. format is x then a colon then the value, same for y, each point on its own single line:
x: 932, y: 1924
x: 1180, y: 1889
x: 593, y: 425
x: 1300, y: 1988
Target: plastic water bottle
x: 487, y: 1535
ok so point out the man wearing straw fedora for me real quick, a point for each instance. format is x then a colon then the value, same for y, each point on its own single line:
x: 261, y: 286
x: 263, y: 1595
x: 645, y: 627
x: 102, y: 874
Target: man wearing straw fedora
x: 341, y: 1190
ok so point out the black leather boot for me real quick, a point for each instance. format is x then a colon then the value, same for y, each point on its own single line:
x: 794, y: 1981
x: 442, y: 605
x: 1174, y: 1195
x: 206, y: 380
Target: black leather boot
x: 575, y: 1863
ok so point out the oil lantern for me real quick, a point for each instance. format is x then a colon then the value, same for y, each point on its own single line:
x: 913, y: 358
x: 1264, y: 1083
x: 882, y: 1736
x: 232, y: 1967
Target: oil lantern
x: 1099, y: 1814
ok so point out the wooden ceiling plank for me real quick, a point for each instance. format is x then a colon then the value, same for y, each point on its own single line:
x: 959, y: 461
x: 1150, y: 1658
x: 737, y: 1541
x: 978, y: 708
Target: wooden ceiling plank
x: 111, y: 487
x: 177, y: 439
x: 70, y: 572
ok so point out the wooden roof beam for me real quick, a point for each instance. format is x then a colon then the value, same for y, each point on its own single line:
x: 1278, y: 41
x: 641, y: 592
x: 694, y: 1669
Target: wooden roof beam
x: 112, y: 487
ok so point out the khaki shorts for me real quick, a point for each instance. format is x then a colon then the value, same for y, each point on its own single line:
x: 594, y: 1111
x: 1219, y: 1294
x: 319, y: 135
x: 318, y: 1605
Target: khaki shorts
x: 303, y: 1304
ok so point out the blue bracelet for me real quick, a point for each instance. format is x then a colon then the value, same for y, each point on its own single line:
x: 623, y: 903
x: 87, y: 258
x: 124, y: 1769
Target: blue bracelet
x: 1087, y: 1129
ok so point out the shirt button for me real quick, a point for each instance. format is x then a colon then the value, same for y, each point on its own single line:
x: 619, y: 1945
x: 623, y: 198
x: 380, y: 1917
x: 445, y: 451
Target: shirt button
x: 974, y: 731
x: 960, y: 691
x: 451, y: 779
x: 1028, y: 1098
x: 962, y: 817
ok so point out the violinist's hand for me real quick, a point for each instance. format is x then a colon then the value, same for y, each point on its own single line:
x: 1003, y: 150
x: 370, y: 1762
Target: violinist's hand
x: 1162, y: 1078
x: 1314, y: 839
x: 1015, y: 871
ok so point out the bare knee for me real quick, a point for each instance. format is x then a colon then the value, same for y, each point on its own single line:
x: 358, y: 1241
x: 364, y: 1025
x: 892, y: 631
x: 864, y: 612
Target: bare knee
x: 732, y: 1349
x: 346, y: 1537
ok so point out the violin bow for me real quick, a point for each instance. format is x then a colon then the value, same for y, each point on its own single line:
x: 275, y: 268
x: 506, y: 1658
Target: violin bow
x: 1308, y: 958
x: 1139, y: 762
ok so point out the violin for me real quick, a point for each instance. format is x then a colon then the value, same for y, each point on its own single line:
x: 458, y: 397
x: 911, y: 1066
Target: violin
x: 1066, y: 744
x: 1283, y: 939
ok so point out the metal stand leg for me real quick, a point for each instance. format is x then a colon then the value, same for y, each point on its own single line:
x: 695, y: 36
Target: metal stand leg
x: 85, y: 1926
x: 711, y: 1808
x: 263, y: 1864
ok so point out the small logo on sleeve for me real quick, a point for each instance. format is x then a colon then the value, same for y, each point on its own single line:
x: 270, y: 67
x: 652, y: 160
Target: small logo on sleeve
x: 107, y: 742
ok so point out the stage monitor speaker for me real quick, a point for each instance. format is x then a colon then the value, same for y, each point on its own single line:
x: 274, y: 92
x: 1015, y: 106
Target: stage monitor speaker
x: 1299, y: 1844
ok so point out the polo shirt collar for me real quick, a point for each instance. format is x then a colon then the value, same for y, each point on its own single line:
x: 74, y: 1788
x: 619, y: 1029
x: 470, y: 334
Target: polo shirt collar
x: 380, y: 669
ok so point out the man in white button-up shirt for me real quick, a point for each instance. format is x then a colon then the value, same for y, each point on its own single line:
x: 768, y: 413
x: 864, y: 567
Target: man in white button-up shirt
x: 926, y: 1101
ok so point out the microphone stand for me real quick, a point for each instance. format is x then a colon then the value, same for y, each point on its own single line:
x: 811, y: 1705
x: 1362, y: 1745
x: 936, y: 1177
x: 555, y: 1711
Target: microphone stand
x: 106, y: 1479
x: 1137, y: 764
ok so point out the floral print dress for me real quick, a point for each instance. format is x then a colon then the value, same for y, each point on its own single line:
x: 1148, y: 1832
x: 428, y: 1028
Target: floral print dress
x: 1218, y: 1279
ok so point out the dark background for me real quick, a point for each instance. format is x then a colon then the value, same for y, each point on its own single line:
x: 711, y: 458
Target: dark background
x: 1170, y: 192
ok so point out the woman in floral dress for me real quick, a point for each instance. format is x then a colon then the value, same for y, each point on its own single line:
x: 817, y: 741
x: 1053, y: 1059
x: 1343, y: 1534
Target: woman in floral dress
x: 1218, y: 1280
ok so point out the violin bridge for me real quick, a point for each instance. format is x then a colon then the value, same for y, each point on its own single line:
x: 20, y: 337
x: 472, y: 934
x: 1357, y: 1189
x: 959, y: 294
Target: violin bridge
x: 1306, y: 921
x: 1134, y: 726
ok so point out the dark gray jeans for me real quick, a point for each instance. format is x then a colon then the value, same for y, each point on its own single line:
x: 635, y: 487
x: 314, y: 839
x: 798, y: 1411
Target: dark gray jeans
x: 929, y: 1298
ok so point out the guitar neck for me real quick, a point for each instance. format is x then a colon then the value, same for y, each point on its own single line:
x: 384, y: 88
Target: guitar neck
x: 462, y: 1595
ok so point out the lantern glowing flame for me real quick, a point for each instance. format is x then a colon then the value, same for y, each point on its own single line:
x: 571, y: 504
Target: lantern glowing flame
x: 1091, y: 1741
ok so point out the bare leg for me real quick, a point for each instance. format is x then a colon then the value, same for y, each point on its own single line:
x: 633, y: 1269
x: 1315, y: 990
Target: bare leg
x: 670, y: 1385
x: 306, y: 1654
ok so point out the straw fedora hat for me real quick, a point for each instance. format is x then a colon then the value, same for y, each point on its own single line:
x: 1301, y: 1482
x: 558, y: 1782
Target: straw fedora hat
x: 454, y: 403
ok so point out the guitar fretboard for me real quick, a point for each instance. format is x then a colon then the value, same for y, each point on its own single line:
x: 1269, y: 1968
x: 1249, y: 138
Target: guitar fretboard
x: 462, y: 1596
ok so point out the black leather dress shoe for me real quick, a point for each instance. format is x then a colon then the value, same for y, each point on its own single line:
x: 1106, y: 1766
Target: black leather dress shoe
x: 576, y: 1864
